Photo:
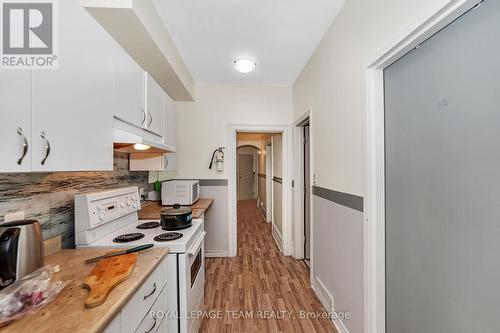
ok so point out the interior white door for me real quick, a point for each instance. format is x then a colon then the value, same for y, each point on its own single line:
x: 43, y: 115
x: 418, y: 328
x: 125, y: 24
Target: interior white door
x: 72, y: 105
x: 154, y: 105
x: 129, y: 88
x: 15, y: 120
x: 245, y: 175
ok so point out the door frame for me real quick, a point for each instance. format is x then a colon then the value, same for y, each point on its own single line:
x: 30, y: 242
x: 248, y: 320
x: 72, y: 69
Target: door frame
x: 299, y: 183
x: 287, y: 153
x: 269, y: 182
x: 374, y: 208
x: 298, y: 222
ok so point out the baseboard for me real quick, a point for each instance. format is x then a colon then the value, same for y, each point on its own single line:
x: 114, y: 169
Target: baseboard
x: 216, y: 254
x: 339, y: 326
x: 277, y: 238
x: 262, y: 212
x: 326, y: 299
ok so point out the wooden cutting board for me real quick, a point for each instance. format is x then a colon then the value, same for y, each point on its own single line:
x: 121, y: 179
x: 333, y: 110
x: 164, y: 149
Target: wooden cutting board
x: 107, y: 274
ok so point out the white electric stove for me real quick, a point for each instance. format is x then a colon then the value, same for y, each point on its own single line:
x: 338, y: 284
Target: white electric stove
x: 109, y: 219
x: 180, y: 245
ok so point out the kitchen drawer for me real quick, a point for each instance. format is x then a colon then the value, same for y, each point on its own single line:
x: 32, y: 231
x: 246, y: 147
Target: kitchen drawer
x: 150, y: 323
x: 163, y: 327
x: 134, y: 311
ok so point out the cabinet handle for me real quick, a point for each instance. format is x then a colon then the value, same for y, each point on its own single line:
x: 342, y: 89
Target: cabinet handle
x: 145, y: 116
x: 150, y: 119
x: 166, y: 162
x: 47, y: 147
x: 25, y: 145
x: 151, y: 293
x: 152, y: 326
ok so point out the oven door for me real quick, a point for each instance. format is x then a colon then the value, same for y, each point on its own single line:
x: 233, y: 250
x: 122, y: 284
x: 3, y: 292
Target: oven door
x: 192, y: 286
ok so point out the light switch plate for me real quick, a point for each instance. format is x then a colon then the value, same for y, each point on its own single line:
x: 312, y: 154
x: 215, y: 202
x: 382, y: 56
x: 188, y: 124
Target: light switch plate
x: 14, y: 216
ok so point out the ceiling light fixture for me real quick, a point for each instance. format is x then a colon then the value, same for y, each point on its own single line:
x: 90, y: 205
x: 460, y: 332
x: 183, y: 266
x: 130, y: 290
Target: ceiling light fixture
x: 140, y: 146
x: 244, y: 65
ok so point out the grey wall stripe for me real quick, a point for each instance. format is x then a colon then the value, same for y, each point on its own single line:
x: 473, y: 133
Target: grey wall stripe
x: 213, y: 182
x: 344, y: 199
x: 206, y: 182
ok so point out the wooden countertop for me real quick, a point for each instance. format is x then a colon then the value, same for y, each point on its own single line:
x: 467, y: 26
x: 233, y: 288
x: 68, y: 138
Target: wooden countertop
x: 67, y: 313
x: 151, y: 210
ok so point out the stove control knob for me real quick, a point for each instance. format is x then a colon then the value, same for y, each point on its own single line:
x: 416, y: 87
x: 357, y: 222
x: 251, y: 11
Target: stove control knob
x: 129, y: 202
x: 122, y: 204
x: 100, y: 206
x: 136, y: 205
x: 101, y: 217
x: 134, y: 198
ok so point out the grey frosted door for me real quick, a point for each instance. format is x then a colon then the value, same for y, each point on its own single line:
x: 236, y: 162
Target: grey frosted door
x: 442, y: 125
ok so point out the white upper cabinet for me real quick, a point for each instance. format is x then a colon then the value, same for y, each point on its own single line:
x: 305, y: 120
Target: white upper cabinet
x: 15, y: 120
x: 171, y: 123
x: 72, y: 106
x: 129, y: 85
x: 154, y: 97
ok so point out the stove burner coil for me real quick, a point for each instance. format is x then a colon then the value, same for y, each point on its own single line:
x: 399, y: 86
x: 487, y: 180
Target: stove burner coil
x: 148, y: 225
x: 128, y: 237
x: 168, y: 236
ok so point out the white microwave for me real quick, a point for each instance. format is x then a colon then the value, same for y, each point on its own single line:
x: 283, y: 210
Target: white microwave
x: 182, y: 192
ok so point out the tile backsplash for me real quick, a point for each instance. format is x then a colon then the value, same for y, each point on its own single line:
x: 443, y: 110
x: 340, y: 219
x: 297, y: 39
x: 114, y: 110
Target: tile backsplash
x: 49, y: 197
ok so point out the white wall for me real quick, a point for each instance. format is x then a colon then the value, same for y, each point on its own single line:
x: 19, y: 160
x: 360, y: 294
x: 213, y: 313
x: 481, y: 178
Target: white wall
x: 332, y: 83
x: 203, y: 123
x: 216, y: 239
x: 332, y: 86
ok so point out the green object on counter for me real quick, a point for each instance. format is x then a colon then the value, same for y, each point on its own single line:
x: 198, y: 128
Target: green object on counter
x: 157, y: 186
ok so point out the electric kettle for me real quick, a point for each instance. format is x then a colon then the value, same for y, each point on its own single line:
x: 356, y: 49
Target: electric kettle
x: 21, y: 250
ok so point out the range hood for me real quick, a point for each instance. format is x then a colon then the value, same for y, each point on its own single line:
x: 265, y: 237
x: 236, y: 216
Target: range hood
x: 124, y: 142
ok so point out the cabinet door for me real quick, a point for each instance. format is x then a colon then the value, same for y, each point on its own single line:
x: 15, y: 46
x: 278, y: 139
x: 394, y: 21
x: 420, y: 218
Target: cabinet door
x: 72, y: 105
x: 15, y: 120
x: 155, y: 97
x: 171, y: 123
x: 129, y: 85
x: 171, y: 162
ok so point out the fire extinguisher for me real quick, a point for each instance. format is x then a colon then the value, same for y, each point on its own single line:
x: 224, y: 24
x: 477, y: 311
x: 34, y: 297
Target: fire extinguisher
x: 218, y: 156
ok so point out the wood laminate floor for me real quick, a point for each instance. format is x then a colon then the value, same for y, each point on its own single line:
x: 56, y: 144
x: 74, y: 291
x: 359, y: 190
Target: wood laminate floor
x: 260, y: 290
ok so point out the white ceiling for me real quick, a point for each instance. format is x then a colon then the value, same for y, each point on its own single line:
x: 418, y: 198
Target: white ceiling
x: 280, y: 35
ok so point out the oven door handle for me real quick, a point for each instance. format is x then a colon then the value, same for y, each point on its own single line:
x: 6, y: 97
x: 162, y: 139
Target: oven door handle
x: 194, y: 249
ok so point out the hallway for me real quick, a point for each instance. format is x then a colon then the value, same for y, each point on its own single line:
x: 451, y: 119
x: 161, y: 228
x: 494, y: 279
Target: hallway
x: 260, y: 290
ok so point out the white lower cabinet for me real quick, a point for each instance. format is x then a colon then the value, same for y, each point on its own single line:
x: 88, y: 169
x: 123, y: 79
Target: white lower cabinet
x: 152, y: 321
x: 146, y: 311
